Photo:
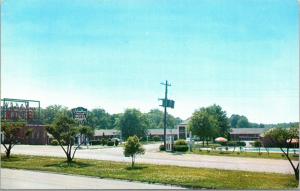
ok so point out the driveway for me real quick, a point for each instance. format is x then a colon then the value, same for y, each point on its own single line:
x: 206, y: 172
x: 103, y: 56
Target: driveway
x: 24, y: 179
x: 153, y: 156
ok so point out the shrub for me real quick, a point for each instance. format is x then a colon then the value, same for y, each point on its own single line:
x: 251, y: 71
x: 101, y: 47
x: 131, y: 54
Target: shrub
x: 257, y: 144
x: 95, y: 142
x: 162, y: 148
x: 104, y: 141
x: 156, y: 138
x: 132, y: 148
x: 54, y: 142
x: 116, y: 142
x: 110, y: 143
x: 181, y: 148
x: 180, y: 142
x: 232, y: 143
x: 241, y: 144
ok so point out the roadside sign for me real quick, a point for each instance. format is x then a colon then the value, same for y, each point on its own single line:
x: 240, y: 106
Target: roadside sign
x: 79, y: 114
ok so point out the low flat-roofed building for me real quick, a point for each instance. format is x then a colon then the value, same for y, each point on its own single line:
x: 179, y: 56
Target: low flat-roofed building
x: 160, y: 133
x: 247, y: 134
x: 107, y: 133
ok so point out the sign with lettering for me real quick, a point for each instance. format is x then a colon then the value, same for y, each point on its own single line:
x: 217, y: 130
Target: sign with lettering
x: 168, y: 103
x: 79, y: 113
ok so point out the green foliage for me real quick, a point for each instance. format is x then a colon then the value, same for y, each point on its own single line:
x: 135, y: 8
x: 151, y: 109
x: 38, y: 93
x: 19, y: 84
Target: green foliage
x: 156, y: 138
x: 257, y: 144
x: 162, y: 147
x: 110, y: 143
x: 133, y: 122
x: 51, y: 112
x: 104, y: 141
x: 100, y: 119
x: 239, y: 121
x: 180, y: 142
x: 132, y: 148
x: 241, y: 144
x: 95, y: 142
x: 11, y: 132
x: 181, y: 148
x: 209, y: 122
x: 65, y: 130
x: 282, y: 137
x: 116, y: 142
x: 54, y: 142
x: 156, y: 117
x: 231, y: 143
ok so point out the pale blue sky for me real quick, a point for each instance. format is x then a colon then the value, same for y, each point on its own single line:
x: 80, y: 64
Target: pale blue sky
x: 240, y: 54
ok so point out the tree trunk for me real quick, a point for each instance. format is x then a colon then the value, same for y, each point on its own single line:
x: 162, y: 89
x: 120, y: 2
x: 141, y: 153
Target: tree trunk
x: 296, y: 173
x: 132, y: 161
x: 69, y: 158
x: 7, y: 152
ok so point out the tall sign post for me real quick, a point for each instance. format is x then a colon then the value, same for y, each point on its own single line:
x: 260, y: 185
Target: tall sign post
x: 166, y: 103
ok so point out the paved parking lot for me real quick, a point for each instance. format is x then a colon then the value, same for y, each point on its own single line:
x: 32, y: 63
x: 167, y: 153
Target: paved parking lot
x: 153, y: 156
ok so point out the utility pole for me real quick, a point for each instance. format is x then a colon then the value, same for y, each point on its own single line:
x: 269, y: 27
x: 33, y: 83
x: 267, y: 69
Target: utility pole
x: 165, y: 107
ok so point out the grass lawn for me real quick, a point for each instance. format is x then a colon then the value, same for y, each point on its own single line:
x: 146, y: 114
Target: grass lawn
x: 245, y: 154
x: 163, y: 174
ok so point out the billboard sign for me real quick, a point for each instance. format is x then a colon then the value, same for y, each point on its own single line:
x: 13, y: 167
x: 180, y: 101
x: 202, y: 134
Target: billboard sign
x: 18, y: 109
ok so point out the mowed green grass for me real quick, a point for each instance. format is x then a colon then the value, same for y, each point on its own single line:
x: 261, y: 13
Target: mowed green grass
x: 163, y: 174
x: 245, y: 154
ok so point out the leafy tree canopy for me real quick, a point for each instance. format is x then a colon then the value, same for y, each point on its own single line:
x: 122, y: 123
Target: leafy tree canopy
x: 133, y: 122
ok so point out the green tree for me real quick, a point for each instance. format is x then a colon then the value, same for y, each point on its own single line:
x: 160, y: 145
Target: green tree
x: 243, y: 122
x: 209, y: 122
x: 99, y: 119
x: 233, y: 120
x: 49, y: 114
x: 11, y: 132
x: 65, y: 130
x: 240, y: 121
x: 222, y: 121
x: 282, y: 138
x: 156, y: 119
x: 203, y: 125
x: 133, y: 122
x: 132, y: 148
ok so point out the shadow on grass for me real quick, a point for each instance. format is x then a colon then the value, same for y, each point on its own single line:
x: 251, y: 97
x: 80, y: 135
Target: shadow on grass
x: 73, y: 164
x: 136, y: 168
x: 12, y: 158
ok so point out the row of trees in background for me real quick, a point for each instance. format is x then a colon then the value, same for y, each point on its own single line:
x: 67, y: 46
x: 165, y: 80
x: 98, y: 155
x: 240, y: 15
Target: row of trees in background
x: 240, y: 121
x: 100, y: 119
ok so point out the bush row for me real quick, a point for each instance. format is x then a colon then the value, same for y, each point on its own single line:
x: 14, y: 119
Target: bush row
x: 180, y: 146
x: 234, y: 144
